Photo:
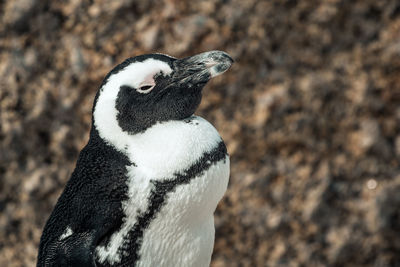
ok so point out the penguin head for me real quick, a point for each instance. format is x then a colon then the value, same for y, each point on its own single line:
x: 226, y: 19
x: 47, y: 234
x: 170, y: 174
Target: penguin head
x: 153, y: 88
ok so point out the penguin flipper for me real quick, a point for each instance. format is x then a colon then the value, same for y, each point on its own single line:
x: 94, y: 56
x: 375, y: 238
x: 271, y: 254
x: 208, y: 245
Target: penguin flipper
x: 90, y: 207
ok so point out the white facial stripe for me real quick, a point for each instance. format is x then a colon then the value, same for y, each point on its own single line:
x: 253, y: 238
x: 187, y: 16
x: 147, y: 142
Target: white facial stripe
x: 105, y: 113
x: 134, y: 74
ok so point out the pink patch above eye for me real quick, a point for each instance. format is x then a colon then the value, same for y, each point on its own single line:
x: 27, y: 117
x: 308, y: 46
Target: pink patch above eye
x: 148, y: 80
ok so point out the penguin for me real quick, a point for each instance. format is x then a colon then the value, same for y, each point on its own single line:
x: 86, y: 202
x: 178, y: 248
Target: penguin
x: 146, y: 185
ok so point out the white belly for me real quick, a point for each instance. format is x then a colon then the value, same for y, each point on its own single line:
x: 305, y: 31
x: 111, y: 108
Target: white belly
x: 182, y: 232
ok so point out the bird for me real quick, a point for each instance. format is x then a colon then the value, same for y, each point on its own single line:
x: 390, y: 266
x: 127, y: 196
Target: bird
x: 146, y: 185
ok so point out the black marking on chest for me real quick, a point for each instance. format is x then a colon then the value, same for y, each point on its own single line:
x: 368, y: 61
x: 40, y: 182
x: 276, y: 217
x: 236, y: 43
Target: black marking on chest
x: 130, y: 250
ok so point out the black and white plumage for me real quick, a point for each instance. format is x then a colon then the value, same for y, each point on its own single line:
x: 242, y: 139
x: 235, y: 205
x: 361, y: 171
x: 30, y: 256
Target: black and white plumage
x: 146, y: 185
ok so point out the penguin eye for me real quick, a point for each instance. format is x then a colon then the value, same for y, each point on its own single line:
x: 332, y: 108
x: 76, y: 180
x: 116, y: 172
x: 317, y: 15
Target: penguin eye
x: 145, y: 89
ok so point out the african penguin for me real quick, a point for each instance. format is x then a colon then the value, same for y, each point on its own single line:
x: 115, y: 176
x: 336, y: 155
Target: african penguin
x: 146, y: 185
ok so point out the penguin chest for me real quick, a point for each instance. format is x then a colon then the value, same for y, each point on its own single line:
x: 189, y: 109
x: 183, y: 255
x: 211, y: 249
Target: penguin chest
x: 171, y: 147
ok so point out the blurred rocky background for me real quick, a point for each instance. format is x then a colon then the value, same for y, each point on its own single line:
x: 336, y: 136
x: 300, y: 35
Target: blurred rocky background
x: 310, y: 113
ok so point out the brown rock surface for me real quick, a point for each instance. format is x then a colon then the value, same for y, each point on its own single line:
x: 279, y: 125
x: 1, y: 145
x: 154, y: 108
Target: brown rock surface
x: 310, y: 113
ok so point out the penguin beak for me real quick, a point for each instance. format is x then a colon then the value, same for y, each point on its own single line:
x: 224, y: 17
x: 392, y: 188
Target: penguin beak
x: 199, y: 69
